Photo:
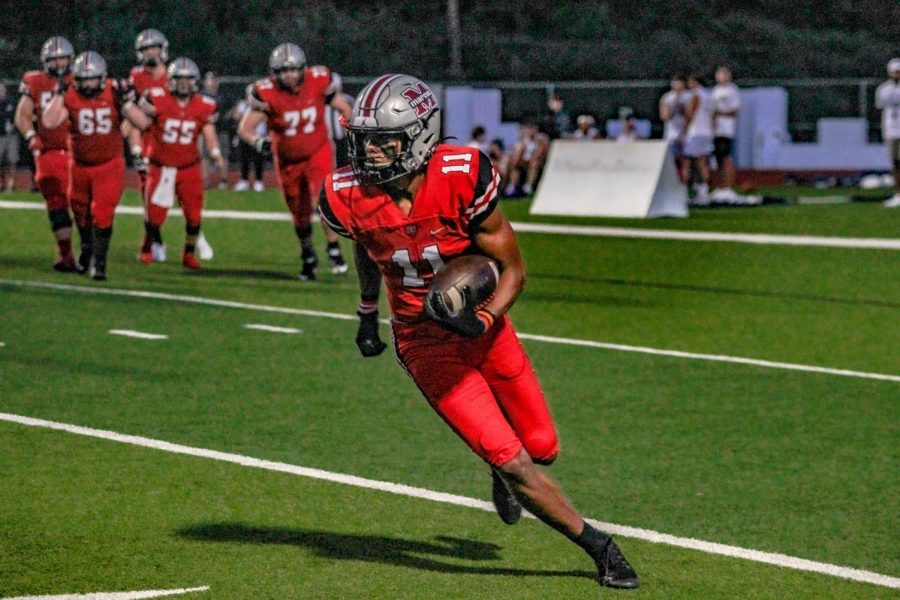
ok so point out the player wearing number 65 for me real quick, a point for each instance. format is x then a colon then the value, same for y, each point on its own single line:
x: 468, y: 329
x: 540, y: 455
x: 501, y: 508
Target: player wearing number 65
x: 412, y: 204
x: 292, y: 99
x: 92, y: 107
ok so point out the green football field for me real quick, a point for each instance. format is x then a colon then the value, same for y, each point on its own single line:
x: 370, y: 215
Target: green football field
x: 267, y: 464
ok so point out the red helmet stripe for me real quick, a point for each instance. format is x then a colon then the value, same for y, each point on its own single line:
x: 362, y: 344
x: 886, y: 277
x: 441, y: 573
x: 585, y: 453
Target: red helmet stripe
x: 368, y: 104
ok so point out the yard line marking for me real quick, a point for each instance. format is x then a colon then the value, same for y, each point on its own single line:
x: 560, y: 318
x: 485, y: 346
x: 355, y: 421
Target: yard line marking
x: 272, y: 328
x: 141, y: 335
x: 116, y: 595
x: 582, y: 230
x: 781, y: 560
x: 528, y: 336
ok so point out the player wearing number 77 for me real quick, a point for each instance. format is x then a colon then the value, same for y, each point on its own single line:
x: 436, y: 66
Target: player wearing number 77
x: 292, y: 99
x: 175, y: 118
x: 412, y: 204
x: 97, y: 168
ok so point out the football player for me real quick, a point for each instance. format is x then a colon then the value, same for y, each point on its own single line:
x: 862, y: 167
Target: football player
x: 50, y: 148
x: 292, y: 99
x: 92, y: 107
x: 412, y: 203
x: 174, y: 118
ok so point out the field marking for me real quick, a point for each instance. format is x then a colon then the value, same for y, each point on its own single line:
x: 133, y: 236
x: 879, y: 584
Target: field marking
x: 272, y: 328
x: 116, y: 595
x: 141, y: 335
x: 655, y: 537
x: 527, y: 336
x: 581, y: 230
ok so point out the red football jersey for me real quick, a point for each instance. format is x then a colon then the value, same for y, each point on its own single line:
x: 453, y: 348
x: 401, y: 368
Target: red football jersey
x: 296, y: 119
x: 143, y: 81
x: 40, y: 87
x: 94, y: 124
x: 459, y: 190
x: 172, y: 138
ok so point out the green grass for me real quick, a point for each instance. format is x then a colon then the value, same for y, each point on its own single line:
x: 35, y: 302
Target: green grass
x: 798, y: 463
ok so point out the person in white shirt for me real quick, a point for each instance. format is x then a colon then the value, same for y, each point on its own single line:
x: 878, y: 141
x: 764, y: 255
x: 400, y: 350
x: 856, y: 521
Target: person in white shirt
x: 586, y: 128
x: 726, y: 100
x: 887, y: 98
x: 697, y: 136
x: 479, y: 139
x: 672, y: 107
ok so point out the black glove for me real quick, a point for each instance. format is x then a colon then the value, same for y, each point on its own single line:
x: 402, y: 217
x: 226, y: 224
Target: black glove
x: 262, y: 144
x: 367, y: 339
x: 468, y: 322
x: 61, y: 86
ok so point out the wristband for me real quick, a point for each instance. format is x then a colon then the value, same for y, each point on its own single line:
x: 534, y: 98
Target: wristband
x: 29, y: 134
x: 215, y: 153
x: 136, y: 150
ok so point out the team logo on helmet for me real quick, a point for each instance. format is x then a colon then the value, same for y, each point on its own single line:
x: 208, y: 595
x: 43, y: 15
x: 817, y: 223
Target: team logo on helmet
x: 420, y: 98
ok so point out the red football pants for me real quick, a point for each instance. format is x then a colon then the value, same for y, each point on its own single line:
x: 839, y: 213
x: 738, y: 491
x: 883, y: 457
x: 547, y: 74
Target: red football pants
x: 51, y: 174
x: 188, y: 191
x: 301, y: 183
x: 484, y: 388
x: 98, y: 188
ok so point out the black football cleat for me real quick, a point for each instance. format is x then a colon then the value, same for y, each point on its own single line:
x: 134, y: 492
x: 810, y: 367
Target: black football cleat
x: 308, y: 270
x: 505, y: 502
x: 613, y: 570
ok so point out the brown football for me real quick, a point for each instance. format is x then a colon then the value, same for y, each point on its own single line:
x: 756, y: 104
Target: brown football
x: 474, y: 271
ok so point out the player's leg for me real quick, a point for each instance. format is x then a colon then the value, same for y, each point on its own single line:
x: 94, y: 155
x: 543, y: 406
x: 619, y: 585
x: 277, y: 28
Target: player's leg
x: 80, y: 202
x: 107, y: 183
x: 292, y: 177
x: 189, y: 188
x: 52, y: 178
x: 154, y: 218
x: 320, y: 164
x: 894, y: 155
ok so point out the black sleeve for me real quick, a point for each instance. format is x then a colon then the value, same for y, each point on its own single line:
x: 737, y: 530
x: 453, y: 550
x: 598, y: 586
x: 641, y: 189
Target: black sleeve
x: 330, y: 218
x: 486, y: 194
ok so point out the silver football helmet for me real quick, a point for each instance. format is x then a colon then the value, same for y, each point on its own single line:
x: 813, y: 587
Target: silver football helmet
x: 287, y: 56
x: 57, y: 47
x: 151, y: 38
x: 183, y: 68
x: 393, y: 108
x: 89, y: 65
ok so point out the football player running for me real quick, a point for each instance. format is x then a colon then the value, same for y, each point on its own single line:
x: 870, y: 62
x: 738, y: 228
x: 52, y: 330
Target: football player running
x: 173, y: 119
x: 292, y: 99
x: 412, y: 203
x: 50, y: 148
x: 92, y: 107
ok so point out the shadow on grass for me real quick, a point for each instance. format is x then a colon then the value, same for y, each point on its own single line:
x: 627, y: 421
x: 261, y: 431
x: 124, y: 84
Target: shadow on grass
x: 374, y: 548
x: 245, y: 273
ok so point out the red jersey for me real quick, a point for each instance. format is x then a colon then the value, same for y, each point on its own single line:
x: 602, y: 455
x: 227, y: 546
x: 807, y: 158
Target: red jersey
x: 40, y: 86
x: 172, y: 138
x: 94, y: 124
x: 296, y: 119
x: 142, y: 79
x: 459, y: 190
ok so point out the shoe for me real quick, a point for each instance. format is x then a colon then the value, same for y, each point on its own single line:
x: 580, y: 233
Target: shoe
x: 222, y: 185
x: 158, y: 251
x: 613, y: 570
x: 510, y: 190
x: 189, y: 261
x: 505, y: 502
x: 84, y: 260
x: 336, y: 260
x: 242, y: 186
x: 893, y: 201
x: 527, y: 189
x: 308, y: 271
x: 98, y: 274
x: 258, y: 186
x: 145, y: 257
x: 66, y: 264
x: 203, y: 248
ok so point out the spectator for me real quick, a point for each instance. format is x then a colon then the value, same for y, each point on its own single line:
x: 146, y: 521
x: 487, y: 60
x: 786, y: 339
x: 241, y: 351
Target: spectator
x: 887, y: 98
x: 479, y: 139
x: 698, y: 136
x: 672, y: 107
x: 628, y: 131
x: 246, y: 152
x: 9, y: 141
x: 211, y: 89
x: 336, y: 131
x: 528, y: 156
x: 586, y: 128
x: 559, y: 122
x: 726, y: 101
x: 496, y: 151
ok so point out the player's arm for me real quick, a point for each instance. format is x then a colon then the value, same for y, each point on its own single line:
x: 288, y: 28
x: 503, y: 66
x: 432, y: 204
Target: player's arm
x: 139, y: 119
x: 55, y: 113
x: 340, y: 104
x: 211, y: 141
x: 664, y: 112
x: 255, y: 115
x: 24, y: 120
x: 495, y: 237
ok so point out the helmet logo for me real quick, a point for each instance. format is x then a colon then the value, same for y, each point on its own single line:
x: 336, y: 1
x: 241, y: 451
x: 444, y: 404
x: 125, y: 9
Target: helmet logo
x: 420, y: 98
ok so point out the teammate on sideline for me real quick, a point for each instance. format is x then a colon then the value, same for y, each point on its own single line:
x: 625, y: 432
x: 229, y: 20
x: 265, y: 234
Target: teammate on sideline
x: 174, y: 118
x: 411, y: 204
x: 292, y: 99
x: 672, y: 107
x: 887, y: 98
x: 92, y: 107
x: 50, y: 148
x: 726, y: 101
x: 697, y: 137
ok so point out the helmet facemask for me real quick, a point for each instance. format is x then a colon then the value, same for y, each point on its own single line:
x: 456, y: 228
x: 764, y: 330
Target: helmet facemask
x: 294, y: 77
x: 151, y: 56
x: 89, y: 86
x: 183, y: 87
x: 380, y: 156
x: 52, y: 65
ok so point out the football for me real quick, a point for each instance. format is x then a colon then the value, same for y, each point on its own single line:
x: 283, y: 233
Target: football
x: 476, y: 272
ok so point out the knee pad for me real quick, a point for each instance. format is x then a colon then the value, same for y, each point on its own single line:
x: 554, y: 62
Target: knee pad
x: 542, y: 447
x: 59, y: 219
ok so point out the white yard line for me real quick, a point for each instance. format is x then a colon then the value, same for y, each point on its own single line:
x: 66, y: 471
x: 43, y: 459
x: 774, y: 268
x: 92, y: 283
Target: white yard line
x: 538, y: 338
x: 583, y: 230
x: 272, y: 328
x: 655, y: 537
x: 141, y: 335
x: 139, y: 595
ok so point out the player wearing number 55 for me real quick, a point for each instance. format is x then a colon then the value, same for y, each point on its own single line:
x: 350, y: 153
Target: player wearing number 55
x: 413, y: 204
x: 292, y: 101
